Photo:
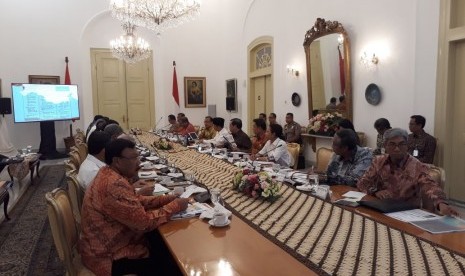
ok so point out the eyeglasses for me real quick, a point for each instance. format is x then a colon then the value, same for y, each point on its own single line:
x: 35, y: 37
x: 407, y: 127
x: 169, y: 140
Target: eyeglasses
x: 394, y: 145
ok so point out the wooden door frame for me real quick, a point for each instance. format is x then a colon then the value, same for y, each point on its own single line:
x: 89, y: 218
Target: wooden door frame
x: 252, y: 73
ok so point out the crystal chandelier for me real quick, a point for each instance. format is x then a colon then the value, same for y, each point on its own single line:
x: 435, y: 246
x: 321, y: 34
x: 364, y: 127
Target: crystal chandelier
x: 129, y: 47
x: 156, y: 15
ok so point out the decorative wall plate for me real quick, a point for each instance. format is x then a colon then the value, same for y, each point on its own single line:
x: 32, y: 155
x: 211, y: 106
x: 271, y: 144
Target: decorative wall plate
x: 373, y: 94
x: 295, y: 99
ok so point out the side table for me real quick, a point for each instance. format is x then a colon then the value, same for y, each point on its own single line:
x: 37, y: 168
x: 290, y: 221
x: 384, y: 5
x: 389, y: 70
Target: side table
x: 30, y: 163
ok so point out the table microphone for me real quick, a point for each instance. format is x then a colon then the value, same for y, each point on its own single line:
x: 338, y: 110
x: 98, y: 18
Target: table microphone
x: 280, y: 145
x: 156, y: 124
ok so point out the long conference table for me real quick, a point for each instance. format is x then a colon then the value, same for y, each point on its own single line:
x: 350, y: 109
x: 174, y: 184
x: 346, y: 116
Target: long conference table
x: 300, y: 234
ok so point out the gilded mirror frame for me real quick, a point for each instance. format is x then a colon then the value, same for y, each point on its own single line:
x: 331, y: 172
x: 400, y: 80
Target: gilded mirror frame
x: 322, y: 28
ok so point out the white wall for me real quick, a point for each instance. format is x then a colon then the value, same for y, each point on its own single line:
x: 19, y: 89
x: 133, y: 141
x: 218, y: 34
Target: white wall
x: 215, y: 46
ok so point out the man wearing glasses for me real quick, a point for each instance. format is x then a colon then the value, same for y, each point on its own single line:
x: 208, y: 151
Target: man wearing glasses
x: 399, y: 175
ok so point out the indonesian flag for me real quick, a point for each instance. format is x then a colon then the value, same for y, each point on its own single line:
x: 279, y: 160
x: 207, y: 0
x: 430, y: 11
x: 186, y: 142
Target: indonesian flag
x: 175, y: 85
x: 342, y: 77
x: 67, y: 77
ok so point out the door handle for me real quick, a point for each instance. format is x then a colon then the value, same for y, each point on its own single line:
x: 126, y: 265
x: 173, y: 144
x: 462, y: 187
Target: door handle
x: 124, y: 118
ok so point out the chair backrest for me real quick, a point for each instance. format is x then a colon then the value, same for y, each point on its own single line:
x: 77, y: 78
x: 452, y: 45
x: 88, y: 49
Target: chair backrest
x: 362, y: 139
x: 437, y: 174
x: 76, y: 195
x: 64, y: 231
x: 82, y: 151
x: 323, y: 155
x: 70, y: 168
x: 79, y: 137
x: 75, y: 159
x: 294, y: 149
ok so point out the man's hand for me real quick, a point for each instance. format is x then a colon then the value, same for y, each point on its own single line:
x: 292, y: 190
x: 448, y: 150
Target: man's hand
x: 146, y: 190
x: 383, y: 194
x: 446, y: 210
x: 182, y: 203
x: 141, y: 183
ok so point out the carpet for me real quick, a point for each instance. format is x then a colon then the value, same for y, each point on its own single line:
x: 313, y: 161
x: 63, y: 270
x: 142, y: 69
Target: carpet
x: 26, y: 242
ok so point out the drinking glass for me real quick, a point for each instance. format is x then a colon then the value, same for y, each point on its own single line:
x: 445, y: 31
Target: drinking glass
x: 215, y: 195
x: 313, y: 181
x: 276, y: 168
x: 172, y: 167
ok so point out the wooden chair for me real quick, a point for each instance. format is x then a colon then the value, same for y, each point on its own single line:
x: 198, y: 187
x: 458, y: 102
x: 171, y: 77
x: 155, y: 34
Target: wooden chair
x: 362, y: 139
x: 75, y: 159
x: 294, y: 150
x: 82, y: 150
x: 323, y: 155
x: 76, y: 195
x: 79, y: 137
x: 70, y: 168
x: 64, y: 231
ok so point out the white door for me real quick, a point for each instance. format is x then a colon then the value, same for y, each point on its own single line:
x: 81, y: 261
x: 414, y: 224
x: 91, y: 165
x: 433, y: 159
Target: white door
x: 123, y: 92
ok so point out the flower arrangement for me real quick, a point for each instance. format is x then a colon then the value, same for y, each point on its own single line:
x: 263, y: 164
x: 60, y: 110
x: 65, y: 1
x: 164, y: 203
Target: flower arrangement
x: 256, y: 184
x: 324, y: 124
x: 162, y: 144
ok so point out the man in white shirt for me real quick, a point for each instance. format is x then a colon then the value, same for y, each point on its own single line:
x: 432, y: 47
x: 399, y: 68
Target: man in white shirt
x: 222, y: 138
x: 95, y: 159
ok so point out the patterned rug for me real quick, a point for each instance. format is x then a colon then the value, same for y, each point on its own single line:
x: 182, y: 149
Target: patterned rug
x: 327, y: 238
x: 26, y: 242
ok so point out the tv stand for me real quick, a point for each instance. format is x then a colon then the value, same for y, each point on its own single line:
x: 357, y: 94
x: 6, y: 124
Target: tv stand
x: 48, y: 147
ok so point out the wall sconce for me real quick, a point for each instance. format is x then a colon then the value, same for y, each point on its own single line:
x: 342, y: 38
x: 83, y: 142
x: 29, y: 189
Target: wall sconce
x: 369, y: 60
x: 340, y: 39
x: 293, y: 71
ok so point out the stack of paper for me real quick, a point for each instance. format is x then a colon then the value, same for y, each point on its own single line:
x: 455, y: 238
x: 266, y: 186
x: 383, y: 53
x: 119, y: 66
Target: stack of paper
x: 192, y: 211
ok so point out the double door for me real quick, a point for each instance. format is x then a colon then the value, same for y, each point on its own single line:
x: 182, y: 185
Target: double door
x: 123, y: 91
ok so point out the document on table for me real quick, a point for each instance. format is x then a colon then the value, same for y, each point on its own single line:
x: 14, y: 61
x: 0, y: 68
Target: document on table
x: 440, y: 225
x: 192, y: 210
x: 412, y: 215
x: 192, y: 189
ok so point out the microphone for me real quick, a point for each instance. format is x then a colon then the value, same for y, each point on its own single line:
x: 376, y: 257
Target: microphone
x: 266, y: 153
x: 228, y: 144
x: 155, y: 127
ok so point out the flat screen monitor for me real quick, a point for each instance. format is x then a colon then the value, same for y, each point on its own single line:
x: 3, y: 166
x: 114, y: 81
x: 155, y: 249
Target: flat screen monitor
x: 44, y: 102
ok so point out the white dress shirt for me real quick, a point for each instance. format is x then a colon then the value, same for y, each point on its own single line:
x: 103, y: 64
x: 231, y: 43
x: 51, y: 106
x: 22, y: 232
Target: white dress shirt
x: 221, y: 138
x: 88, y: 170
x: 277, y: 151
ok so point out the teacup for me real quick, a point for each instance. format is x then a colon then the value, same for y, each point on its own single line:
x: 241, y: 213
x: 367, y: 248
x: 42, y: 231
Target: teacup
x: 219, y: 219
x: 177, y: 191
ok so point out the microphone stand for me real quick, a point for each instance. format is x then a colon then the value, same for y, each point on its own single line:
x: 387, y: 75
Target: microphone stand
x: 155, y: 127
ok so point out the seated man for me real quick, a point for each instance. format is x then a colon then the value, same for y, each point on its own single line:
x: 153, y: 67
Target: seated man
x: 113, y: 130
x: 399, y: 175
x: 260, y: 138
x: 262, y: 116
x: 222, y: 138
x: 95, y: 159
x: 173, y: 124
x: 292, y: 130
x: 420, y: 144
x: 381, y: 125
x: 332, y: 104
x: 272, y: 119
x: 114, y: 219
x: 185, y: 127
x: 207, y: 132
x: 349, y: 161
x: 92, y: 124
x: 242, y: 140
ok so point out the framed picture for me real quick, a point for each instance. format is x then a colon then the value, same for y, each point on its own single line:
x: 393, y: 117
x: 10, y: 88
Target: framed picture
x: 41, y: 79
x: 231, y: 95
x: 194, y: 91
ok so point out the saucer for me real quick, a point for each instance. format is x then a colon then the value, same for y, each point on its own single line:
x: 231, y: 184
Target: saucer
x: 305, y: 188
x: 222, y: 225
x: 149, y: 168
x: 146, y: 175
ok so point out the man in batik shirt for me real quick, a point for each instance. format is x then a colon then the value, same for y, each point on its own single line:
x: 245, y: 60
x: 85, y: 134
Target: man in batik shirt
x: 349, y: 161
x: 115, y: 219
x: 208, y: 131
x: 399, y: 175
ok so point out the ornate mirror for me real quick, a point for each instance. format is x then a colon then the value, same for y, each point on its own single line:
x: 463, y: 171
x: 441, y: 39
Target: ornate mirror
x: 327, y: 50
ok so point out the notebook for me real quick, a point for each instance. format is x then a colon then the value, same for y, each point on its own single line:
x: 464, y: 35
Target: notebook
x: 388, y: 205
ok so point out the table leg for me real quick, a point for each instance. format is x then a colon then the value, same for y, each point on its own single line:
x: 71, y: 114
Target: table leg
x: 32, y: 174
x: 9, y: 172
x: 37, y: 168
x: 5, y: 205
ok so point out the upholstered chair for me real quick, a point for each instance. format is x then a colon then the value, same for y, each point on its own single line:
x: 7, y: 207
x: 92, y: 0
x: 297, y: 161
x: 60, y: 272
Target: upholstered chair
x: 75, y: 159
x: 294, y: 150
x: 64, y: 231
x: 323, y: 155
x: 439, y: 175
x: 76, y: 195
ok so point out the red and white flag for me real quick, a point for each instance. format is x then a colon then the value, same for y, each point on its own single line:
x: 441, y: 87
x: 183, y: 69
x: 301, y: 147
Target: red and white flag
x: 175, y: 85
x: 67, y: 77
